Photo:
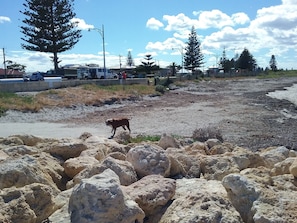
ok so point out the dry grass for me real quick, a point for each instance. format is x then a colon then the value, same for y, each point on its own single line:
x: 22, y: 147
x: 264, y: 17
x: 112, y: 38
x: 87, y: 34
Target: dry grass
x: 66, y: 97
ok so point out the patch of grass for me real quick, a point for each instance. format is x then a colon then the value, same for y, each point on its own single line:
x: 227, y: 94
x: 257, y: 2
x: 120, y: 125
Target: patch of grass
x: 145, y: 138
x: 15, y: 102
x: 278, y: 74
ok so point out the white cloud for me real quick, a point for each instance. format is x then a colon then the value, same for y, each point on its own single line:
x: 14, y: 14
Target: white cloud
x: 168, y: 44
x: 81, y: 24
x: 153, y: 23
x: 240, y: 18
x: 4, y: 19
x: 179, y: 22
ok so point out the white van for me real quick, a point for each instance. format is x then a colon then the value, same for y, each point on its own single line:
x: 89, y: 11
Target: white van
x: 96, y: 72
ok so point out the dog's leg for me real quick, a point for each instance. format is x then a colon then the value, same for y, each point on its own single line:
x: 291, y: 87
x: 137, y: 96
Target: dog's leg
x: 114, y: 131
x: 128, y: 126
x: 123, y: 127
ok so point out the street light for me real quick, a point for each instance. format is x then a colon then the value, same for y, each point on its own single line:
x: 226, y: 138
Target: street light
x: 181, y: 50
x: 101, y: 32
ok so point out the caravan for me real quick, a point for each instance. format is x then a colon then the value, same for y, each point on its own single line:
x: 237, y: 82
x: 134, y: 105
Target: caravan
x: 96, y: 72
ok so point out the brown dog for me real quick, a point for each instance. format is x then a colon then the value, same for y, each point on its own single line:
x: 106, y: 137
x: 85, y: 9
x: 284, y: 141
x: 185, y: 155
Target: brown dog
x: 117, y: 122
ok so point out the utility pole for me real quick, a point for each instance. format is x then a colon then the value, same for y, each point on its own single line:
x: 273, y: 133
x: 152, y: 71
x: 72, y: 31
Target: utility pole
x: 120, y: 59
x: 4, y: 62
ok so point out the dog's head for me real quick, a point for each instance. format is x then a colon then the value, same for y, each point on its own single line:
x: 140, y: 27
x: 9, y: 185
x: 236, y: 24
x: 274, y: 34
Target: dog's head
x: 109, y: 121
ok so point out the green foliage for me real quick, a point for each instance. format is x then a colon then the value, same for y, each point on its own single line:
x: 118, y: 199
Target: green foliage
x: 48, y: 27
x: 14, y: 101
x: 145, y: 138
x: 160, y: 88
x: 246, y: 61
x: 278, y: 74
x: 193, y: 57
x: 203, y: 134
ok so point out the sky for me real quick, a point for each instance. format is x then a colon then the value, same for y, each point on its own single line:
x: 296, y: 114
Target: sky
x: 161, y: 28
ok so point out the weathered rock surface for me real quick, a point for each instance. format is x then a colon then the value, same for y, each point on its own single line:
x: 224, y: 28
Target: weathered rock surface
x: 199, y: 200
x: 151, y: 193
x: 101, y: 199
x: 149, y: 159
x: 183, y: 182
x: 31, y: 203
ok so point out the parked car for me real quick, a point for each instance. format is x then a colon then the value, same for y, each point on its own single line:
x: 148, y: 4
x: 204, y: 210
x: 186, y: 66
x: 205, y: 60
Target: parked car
x: 37, y: 76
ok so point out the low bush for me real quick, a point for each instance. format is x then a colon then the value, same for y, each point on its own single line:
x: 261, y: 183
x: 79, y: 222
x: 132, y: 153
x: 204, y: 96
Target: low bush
x: 203, y: 134
x: 160, y: 88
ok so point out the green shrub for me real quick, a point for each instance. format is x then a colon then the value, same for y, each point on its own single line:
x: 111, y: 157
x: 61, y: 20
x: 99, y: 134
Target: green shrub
x: 160, y: 88
x: 203, y: 134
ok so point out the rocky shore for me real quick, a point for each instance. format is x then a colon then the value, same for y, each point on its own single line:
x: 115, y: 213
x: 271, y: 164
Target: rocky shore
x: 94, y: 179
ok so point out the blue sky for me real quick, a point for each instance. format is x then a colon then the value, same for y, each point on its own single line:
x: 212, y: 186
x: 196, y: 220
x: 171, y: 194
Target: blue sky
x: 161, y: 28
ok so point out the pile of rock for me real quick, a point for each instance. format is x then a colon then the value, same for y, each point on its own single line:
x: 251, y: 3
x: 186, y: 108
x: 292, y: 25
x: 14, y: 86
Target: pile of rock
x: 92, y: 179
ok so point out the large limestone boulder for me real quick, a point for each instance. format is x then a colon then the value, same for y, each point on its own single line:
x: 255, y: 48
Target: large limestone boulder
x: 23, y: 171
x: 75, y: 165
x: 99, y: 152
x: 282, y: 167
x: 183, y: 164
x: 3, y: 155
x: 258, y: 197
x: 20, y: 150
x: 122, y: 168
x: 274, y: 155
x: 101, y: 199
x: 30, y: 140
x: 66, y: 148
x: 216, y: 167
x: 293, y: 168
x: 149, y: 159
x: 151, y: 193
x: 28, y: 204
x: 167, y: 141
x: 199, y: 200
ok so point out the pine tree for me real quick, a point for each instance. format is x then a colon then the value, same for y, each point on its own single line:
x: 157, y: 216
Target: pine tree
x: 273, y: 64
x: 193, y: 57
x: 246, y: 61
x: 48, y: 27
x: 130, y: 61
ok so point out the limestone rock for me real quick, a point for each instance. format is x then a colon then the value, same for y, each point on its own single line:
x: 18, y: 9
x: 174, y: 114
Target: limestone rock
x: 293, y: 168
x: 100, y: 199
x: 262, y: 198
x: 168, y: 141
x: 29, y: 140
x: 66, y: 148
x: 20, y: 150
x: 199, y: 200
x: 212, y: 142
x: 196, y: 148
x: 99, y: 152
x: 216, y: 167
x: 32, y: 203
x: 274, y: 155
x: 182, y: 164
x: 149, y: 159
x: 3, y: 155
x: 23, y: 171
x: 74, y: 165
x: 282, y: 167
x: 151, y: 192
x: 123, y: 169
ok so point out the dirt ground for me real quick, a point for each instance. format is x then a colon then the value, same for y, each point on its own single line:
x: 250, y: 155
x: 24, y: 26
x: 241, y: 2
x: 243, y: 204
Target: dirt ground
x: 240, y: 108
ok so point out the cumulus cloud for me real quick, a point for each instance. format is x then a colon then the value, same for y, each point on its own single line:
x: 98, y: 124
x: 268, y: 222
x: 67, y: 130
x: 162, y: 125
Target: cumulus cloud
x: 81, y: 24
x: 153, y: 23
x: 4, y: 19
x: 168, y: 44
x: 179, y: 22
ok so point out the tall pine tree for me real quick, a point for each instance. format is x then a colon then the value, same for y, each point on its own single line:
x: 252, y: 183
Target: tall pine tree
x: 193, y: 57
x: 130, y: 61
x: 48, y: 27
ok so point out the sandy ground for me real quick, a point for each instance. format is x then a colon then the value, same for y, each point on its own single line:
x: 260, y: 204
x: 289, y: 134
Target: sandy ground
x: 240, y: 108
